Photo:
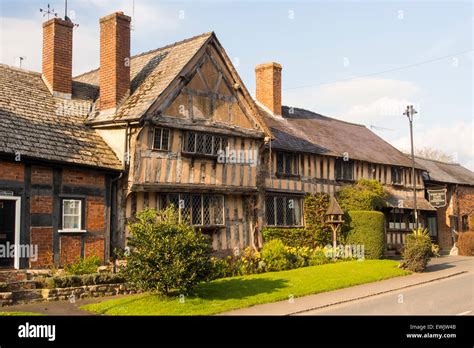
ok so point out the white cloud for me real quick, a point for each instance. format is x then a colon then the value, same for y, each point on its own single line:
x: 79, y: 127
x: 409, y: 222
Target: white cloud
x: 455, y: 139
x: 364, y: 100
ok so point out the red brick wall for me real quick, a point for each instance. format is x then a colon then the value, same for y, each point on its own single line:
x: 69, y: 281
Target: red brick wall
x: 43, y: 238
x: 114, y: 59
x: 41, y: 175
x: 70, y: 249
x: 94, y: 246
x: 57, y: 54
x: 80, y: 177
x: 12, y: 171
x: 41, y: 205
x: 95, y: 214
x: 462, y: 205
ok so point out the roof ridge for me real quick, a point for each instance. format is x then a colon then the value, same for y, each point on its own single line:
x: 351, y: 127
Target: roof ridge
x: 327, y: 117
x: 176, y: 43
x: 20, y: 69
x: 437, y: 161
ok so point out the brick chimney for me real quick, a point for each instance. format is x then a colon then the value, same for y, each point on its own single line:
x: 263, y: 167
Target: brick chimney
x: 114, y: 60
x: 57, y: 56
x: 268, y: 91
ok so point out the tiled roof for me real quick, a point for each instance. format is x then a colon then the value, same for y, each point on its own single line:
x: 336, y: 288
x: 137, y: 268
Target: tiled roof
x: 305, y: 131
x: 452, y: 173
x: 38, y: 125
x: 150, y: 72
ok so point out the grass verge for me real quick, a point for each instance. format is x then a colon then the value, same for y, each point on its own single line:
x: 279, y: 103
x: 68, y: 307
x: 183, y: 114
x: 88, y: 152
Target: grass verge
x: 238, y: 292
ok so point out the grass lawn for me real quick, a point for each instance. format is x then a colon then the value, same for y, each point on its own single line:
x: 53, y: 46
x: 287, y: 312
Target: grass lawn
x: 14, y: 314
x: 238, y: 292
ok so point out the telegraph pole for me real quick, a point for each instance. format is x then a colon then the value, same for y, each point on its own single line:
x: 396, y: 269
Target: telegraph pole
x: 410, y: 112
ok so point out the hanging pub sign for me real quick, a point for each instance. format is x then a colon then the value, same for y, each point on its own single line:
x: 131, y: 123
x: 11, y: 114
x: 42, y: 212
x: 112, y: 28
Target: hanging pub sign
x: 437, y: 198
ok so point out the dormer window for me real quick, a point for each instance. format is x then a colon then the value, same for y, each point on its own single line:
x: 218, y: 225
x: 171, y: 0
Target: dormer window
x: 161, y: 139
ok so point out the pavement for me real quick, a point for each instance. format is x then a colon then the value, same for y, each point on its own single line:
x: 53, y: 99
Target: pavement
x: 449, y: 278
x: 446, y: 287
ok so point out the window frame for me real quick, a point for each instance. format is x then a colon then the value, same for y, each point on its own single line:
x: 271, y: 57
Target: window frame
x: 340, y: 172
x: 400, y: 175
x: 161, y: 139
x: 284, y: 217
x: 294, y: 164
x: 189, y: 198
x: 82, y: 222
x: 223, y: 142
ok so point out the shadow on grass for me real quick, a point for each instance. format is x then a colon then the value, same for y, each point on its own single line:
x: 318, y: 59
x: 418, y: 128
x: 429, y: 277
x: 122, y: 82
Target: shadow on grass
x: 238, y: 288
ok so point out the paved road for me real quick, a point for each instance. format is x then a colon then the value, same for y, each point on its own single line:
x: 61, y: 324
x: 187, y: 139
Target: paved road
x: 452, y: 296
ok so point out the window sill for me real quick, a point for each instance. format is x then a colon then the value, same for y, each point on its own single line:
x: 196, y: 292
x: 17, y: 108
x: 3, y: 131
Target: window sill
x: 72, y: 231
x: 288, y: 176
x: 199, y: 155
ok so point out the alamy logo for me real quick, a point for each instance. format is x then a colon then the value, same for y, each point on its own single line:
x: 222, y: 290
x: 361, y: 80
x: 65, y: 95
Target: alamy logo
x: 238, y: 156
x: 37, y: 331
x: 9, y: 250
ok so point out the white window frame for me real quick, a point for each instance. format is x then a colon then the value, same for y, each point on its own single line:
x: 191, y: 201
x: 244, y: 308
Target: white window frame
x: 71, y: 230
x: 17, y: 200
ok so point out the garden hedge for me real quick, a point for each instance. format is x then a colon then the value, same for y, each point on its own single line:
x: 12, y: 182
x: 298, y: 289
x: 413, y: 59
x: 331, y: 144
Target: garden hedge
x: 465, y: 243
x: 367, y: 228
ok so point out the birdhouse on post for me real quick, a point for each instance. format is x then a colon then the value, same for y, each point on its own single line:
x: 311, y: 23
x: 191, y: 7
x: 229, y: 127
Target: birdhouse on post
x: 334, y: 217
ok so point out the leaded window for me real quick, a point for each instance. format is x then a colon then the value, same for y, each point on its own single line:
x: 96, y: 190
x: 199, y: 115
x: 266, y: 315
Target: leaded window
x: 283, y: 210
x: 198, y: 209
x: 161, y: 139
x: 203, y: 143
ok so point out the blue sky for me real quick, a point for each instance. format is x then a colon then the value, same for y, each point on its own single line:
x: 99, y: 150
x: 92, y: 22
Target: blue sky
x: 316, y: 42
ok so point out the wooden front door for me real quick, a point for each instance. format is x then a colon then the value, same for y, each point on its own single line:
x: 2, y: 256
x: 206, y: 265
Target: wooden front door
x: 7, y: 232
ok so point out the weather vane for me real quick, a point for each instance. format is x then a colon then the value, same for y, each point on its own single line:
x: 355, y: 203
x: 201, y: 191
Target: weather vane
x: 49, y: 11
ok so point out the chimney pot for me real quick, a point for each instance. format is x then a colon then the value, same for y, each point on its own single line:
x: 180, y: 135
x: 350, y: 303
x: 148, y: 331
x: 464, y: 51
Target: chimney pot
x: 268, y: 86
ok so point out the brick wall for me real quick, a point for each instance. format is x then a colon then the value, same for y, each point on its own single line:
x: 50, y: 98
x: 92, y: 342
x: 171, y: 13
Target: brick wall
x: 81, y: 177
x: 70, y: 249
x: 94, y: 246
x: 43, y: 238
x: 41, y: 175
x: 95, y: 214
x: 41, y: 205
x: 12, y: 171
x: 466, y: 205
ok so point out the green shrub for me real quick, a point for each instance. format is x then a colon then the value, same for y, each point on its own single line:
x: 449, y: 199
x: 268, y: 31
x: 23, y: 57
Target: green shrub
x: 249, y: 262
x: 435, y: 250
x: 274, y: 256
x: 85, y: 279
x: 417, y: 251
x: 363, y: 195
x: 367, y: 228
x: 166, y: 255
x: 83, y: 266
x: 316, y: 232
x: 465, y: 243
x: 3, y: 287
x: 319, y: 258
x: 315, y: 207
x: 289, y: 236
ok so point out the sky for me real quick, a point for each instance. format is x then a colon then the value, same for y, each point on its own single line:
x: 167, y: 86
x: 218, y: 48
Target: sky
x: 361, y: 61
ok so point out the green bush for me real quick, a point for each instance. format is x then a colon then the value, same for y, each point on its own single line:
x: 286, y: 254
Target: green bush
x: 316, y: 232
x: 417, y: 251
x: 83, y: 266
x: 315, y: 207
x: 249, y: 262
x: 3, y: 287
x: 367, y: 228
x: 166, y: 255
x: 275, y: 256
x: 85, y: 279
x: 363, y: 195
x: 465, y: 243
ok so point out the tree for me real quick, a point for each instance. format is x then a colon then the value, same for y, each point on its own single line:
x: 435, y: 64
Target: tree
x: 434, y: 154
